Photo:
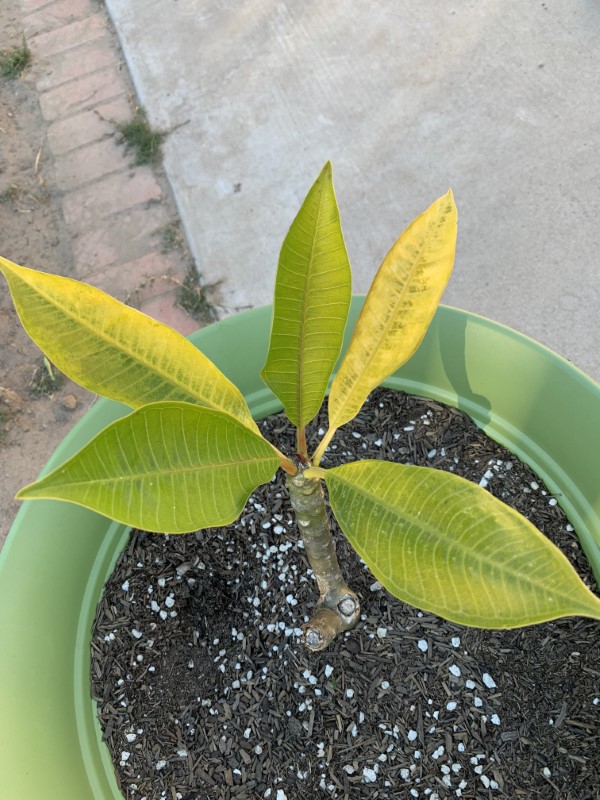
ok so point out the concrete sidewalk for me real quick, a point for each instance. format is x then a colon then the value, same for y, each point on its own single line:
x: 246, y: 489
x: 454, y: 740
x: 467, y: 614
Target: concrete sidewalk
x: 497, y: 99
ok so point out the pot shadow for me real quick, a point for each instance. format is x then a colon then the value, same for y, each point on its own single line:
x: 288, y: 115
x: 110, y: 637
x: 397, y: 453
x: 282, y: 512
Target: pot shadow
x: 452, y: 342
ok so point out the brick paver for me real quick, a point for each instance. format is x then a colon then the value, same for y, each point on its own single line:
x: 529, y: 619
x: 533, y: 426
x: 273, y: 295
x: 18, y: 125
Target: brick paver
x: 115, y: 211
x: 75, y: 34
x: 74, y: 63
x: 119, y: 191
x: 55, y: 15
x: 29, y: 6
x: 88, y: 163
x: 163, y: 309
x: 137, y: 282
x: 90, y: 126
x: 125, y: 237
x: 82, y: 93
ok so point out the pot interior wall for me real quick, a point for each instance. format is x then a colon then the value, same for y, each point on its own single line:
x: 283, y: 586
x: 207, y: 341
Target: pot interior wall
x: 57, y: 556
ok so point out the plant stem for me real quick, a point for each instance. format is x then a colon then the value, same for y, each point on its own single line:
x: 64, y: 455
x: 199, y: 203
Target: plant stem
x: 338, y: 608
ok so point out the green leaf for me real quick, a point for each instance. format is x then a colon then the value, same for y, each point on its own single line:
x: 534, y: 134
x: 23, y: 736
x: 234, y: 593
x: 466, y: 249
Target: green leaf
x: 168, y: 468
x: 312, y: 298
x: 445, y: 545
x: 115, y: 350
x: 398, y: 308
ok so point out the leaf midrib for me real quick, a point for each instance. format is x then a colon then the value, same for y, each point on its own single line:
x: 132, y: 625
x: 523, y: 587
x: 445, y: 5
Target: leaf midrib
x: 158, y: 473
x: 116, y: 343
x: 303, y: 323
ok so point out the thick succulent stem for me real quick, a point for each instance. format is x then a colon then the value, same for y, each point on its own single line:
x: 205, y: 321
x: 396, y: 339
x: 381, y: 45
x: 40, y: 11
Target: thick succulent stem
x: 338, y: 608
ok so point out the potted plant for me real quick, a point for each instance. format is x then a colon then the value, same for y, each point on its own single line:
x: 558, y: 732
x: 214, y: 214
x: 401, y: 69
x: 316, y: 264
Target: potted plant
x: 204, y: 427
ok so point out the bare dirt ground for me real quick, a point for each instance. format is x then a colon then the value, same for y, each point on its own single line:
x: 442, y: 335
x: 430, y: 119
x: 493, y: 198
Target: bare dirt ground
x: 33, y: 233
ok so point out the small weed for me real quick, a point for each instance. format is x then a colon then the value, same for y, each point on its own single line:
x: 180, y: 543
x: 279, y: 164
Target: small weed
x: 133, y: 297
x: 192, y: 297
x: 138, y: 137
x: 10, y: 194
x: 46, y: 379
x: 17, y: 196
x: 171, y: 238
x: 14, y: 61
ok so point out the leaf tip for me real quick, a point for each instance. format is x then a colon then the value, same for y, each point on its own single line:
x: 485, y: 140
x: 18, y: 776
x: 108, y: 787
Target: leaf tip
x: 6, y: 267
x: 32, y: 491
x: 447, y: 207
x: 23, y: 494
x: 327, y: 170
x: 449, y: 196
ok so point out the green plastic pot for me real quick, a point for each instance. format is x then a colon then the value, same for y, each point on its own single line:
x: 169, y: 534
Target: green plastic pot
x: 57, y: 556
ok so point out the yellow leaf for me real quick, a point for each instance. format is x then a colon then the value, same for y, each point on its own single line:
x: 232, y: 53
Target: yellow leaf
x: 444, y: 544
x: 398, y: 309
x: 115, y: 350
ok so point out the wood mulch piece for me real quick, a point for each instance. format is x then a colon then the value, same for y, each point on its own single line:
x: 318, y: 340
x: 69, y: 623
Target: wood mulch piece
x: 204, y: 691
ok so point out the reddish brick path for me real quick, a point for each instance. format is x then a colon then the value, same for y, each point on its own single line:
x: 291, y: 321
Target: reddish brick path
x: 114, y: 211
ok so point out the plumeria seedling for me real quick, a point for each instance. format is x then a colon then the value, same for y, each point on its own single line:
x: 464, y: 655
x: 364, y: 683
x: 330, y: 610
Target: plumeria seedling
x: 190, y: 454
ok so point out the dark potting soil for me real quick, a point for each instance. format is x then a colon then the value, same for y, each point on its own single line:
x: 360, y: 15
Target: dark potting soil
x: 205, y: 692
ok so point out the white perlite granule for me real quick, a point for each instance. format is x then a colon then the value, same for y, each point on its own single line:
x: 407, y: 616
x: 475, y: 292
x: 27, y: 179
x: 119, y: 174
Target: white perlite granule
x: 488, y: 680
x: 369, y: 775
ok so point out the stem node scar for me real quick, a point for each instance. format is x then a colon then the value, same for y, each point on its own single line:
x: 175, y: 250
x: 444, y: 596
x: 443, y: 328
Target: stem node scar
x: 347, y: 606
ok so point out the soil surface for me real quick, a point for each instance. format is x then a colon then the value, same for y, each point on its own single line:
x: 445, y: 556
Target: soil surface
x: 205, y: 691
x: 34, y: 418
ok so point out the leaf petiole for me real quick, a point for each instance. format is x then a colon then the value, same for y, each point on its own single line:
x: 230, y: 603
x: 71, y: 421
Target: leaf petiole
x: 301, y: 450
x: 320, y: 451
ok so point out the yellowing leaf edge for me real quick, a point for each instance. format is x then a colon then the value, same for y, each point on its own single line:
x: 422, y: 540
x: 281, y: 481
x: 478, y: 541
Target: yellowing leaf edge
x: 108, y: 324
x: 395, y: 317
